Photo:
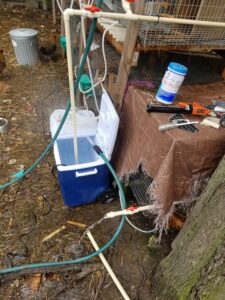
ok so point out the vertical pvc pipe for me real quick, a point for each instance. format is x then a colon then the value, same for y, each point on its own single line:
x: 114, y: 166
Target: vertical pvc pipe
x: 72, y: 96
x: 126, y: 7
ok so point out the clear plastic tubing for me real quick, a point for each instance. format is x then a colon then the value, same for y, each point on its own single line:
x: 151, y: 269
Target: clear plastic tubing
x: 171, y: 83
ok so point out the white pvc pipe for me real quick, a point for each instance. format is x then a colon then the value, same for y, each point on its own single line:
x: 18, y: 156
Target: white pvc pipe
x: 108, y: 268
x: 126, y: 7
x: 71, y: 85
x: 128, y: 212
x: 135, y: 17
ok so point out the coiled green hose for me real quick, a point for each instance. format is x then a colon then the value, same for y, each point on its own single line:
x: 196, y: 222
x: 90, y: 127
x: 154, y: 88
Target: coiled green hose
x: 91, y: 255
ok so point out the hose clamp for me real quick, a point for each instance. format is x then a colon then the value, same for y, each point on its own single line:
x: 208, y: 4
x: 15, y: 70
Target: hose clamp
x: 3, y: 125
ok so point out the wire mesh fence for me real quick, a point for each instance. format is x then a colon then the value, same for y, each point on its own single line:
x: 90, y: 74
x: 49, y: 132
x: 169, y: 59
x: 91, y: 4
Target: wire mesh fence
x: 139, y: 183
x: 159, y: 34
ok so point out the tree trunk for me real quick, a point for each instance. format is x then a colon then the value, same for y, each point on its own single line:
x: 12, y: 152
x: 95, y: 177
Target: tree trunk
x: 195, y: 268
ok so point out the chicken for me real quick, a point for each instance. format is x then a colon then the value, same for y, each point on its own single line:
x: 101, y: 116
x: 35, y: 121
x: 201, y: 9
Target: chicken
x: 2, y: 61
x: 48, y: 49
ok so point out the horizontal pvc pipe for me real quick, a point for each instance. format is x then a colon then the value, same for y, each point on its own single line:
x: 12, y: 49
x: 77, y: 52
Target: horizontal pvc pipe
x: 127, y: 212
x: 135, y: 17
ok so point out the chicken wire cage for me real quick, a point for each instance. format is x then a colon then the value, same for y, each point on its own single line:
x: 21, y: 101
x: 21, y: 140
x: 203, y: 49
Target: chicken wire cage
x: 159, y: 34
x: 140, y: 182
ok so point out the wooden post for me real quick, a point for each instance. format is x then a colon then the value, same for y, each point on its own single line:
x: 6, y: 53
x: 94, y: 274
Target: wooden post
x: 54, y: 12
x: 127, y: 57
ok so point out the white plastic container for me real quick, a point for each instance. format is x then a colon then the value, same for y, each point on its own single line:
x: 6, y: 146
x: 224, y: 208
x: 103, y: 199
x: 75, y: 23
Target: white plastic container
x: 171, y: 83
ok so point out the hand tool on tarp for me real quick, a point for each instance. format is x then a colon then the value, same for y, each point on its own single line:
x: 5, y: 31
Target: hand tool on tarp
x: 189, y: 128
x: 183, y: 108
x: 194, y: 108
x: 176, y: 123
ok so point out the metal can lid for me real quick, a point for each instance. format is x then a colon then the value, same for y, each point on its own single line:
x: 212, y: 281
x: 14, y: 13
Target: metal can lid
x: 177, y: 68
x: 23, y: 33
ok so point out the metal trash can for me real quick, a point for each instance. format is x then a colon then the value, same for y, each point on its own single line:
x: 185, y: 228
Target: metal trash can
x: 25, y: 44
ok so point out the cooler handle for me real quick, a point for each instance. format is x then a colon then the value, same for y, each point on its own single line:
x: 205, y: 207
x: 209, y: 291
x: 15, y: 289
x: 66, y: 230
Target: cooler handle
x: 81, y: 174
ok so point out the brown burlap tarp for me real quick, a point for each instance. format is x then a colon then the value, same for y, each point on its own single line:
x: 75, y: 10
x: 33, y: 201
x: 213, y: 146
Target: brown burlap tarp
x: 179, y: 162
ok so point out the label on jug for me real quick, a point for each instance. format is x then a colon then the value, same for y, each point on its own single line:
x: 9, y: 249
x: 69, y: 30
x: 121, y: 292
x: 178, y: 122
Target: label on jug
x: 169, y: 87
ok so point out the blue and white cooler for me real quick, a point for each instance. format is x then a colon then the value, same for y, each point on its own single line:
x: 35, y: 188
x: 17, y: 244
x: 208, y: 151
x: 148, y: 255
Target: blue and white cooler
x: 82, y: 183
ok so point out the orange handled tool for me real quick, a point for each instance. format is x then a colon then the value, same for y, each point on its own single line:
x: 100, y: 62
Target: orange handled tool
x: 197, y: 109
x: 183, y: 108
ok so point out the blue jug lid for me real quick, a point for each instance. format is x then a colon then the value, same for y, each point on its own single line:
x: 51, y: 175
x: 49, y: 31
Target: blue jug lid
x: 177, y: 68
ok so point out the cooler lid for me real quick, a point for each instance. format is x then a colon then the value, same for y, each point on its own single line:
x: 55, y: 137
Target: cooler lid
x: 107, y: 125
x: 86, y: 123
x: 23, y: 33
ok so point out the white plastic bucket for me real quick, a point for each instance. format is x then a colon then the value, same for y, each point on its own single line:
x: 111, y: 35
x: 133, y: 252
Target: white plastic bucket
x: 171, y: 83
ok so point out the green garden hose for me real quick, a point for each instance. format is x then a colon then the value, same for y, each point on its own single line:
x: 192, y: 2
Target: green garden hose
x: 76, y: 84
x: 98, y: 150
x: 92, y: 254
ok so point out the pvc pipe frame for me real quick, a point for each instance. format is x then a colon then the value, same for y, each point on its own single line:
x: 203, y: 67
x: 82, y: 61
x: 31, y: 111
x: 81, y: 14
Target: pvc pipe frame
x: 72, y: 96
x: 127, y: 16
x: 127, y: 212
x: 108, y: 268
x: 126, y: 7
x: 135, y: 17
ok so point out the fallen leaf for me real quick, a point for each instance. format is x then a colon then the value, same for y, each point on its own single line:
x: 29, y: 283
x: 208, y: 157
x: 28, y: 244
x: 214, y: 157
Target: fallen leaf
x: 3, y: 87
x: 34, y: 282
x: 10, y: 223
x: 12, y: 161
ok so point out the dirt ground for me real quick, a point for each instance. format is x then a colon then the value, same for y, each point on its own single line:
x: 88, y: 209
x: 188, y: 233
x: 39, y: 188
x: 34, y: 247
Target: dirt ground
x: 33, y: 208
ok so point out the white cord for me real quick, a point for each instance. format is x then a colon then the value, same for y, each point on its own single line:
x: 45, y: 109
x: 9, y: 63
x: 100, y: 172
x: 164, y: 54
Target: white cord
x: 139, y: 229
x: 85, y: 102
x: 104, y: 58
x: 60, y: 8
x: 71, y: 3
